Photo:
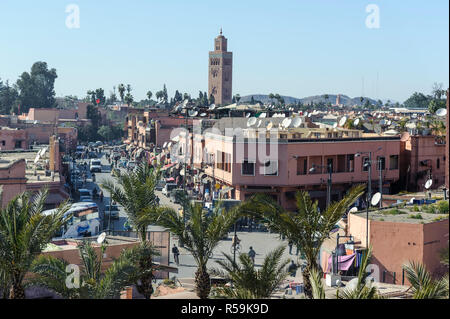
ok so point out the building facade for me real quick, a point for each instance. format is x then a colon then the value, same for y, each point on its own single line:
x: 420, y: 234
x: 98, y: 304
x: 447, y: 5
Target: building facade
x: 220, y: 72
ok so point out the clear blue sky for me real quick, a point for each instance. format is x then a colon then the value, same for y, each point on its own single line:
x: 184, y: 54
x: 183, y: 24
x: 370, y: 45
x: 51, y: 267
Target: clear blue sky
x: 290, y: 47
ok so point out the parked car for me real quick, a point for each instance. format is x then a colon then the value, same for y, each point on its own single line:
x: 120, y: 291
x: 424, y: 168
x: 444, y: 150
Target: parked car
x: 114, y: 211
x: 96, y: 165
x: 160, y: 185
x: 168, y: 188
x: 85, y: 194
x: 131, y: 165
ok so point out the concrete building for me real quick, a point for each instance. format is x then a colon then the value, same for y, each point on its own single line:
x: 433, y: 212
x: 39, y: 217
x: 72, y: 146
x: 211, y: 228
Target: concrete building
x: 423, y: 158
x: 13, y: 139
x: 220, y: 71
x: 398, y: 239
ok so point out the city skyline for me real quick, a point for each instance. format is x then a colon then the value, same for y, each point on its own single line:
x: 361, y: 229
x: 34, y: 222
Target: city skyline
x: 306, y: 48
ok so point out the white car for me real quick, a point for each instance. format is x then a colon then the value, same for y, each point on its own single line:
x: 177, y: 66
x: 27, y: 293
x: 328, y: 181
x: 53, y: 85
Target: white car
x: 96, y: 166
x: 85, y: 194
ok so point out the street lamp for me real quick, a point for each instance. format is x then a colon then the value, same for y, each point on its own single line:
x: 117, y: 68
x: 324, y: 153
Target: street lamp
x: 330, y: 172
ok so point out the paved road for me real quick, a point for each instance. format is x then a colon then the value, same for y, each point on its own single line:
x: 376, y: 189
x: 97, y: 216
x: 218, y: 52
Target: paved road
x: 262, y: 242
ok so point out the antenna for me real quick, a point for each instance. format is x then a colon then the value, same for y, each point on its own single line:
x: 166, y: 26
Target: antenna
x: 101, y: 238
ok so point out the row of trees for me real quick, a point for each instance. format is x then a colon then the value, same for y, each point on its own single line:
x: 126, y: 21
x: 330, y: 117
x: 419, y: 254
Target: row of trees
x: 25, y: 231
x: 33, y: 89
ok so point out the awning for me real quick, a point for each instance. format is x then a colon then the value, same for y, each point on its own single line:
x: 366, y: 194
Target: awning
x: 171, y: 179
x: 344, y: 262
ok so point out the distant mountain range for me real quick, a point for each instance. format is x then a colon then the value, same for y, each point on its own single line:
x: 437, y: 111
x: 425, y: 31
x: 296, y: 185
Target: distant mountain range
x: 345, y: 100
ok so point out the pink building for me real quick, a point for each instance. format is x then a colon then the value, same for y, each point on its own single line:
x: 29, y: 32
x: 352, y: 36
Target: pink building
x: 12, y: 139
x: 398, y: 239
x: 249, y: 167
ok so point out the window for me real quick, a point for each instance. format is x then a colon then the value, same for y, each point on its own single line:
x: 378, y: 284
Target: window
x: 18, y: 144
x: 3, y: 143
x: 248, y: 168
x: 302, y: 166
x: 393, y: 162
x: 350, y: 162
x: 223, y: 161
x: 271, y: 168
x: 381, y: 161
x: 330, y: 163
x: 438, y: 163
x: 365, y: 167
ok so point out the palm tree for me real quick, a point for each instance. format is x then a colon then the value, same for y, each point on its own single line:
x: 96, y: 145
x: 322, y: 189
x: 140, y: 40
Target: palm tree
x: 24, y: 232
x: 251, y: 283
x: 199, y: 235
x: 121, y: 89
x: 422, y: 284
x: 308, y: 227
x: 92, y: 284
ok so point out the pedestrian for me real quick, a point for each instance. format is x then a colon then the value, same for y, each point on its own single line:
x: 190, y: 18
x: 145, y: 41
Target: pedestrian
x: 101, y: 196
x: 290, y: 246
x: 252, y: 254
x: 292, y: 269
x: 93, y: 177
x: 176, y: 254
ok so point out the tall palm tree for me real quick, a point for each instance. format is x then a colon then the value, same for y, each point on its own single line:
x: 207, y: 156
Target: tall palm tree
x: 135, y: 191
x: 249, y: 282
x: 92, y: 284
x: 422, y: 284
x: 199, y: 235
x: 121, y: 89
x: 24, y: 232
x: 307, y: 227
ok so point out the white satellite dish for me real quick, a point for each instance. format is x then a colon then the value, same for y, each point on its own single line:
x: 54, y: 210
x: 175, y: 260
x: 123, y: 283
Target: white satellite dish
x: 296, y: 122
x: 335, y: 125
x: 428, y: 183
x: 356, y: 122
x: 176, y: 139
x: 263, y: 115
x: 342, y: 121
x: 259, y: 123
x: 441, y: 112
x: 192, y: 113
x: 42, y: 151
x: 35, y: 122
x: 411, y: 201
x: 375, y: 199
x: 140, y: 123
x: 37, y: 158
x: 306, y: 113
x: 353, y: 210
x: 169, y: 145
x: 101, y: 238
x: 185, y: 102
x: 286, y: 122
x: 269, y: 126
x: 165, y: 144
x: 248, y: 115
x: 251, y: 121
x: 212, y: 107
x: 203, y: 114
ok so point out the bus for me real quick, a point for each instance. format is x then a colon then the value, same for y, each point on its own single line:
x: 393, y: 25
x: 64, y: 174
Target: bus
x: 83, y: 221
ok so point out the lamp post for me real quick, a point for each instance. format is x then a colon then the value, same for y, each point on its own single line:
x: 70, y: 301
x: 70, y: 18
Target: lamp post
x: 329, y: 183
x: 368, y: 164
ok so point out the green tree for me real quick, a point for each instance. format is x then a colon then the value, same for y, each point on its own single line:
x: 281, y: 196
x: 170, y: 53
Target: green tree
x: 417, y: 100
x: 37, y: 88
x: 307, y: 228
x: 24, y: 232
x: 8, y: 98
x: 250, y: 282
x: 149, y: 95
x: 129, y: 99
x: 121, y: 89
x: 92, y: 284
x: 436, y: 105
x: 212, y: 100
x: 423, y: 285
x: 94, y: 115
x: 199, y: 235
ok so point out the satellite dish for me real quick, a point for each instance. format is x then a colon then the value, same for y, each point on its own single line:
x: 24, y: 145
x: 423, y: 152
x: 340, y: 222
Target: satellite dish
x: 428, y: 183
x: 353, y: 210
x: 165, y: 144
x: 212, y: 107
x: 286, y: 122
x: 140, y: 123
x: 263, y: 115
x: 375, y: 199
x: 411, y: 201
x: 203, y: 114
x: 192, y: 113
x: 35, y: 122
x: 335, y: 125
x: 342, y: 121
x: 248, y: 115
x: 269, y: 126
x: 251, y: 121
x: 297, y: 122
x: 37, y: 158
x: 182, y: 173
x: 441, y: 112
x: 377, y: 129
x: 185, y: 102
x: 356, y: 122
x: 306, y: 113
x: 101, y: 238
x: 169, y: 145
x: 176, y: 139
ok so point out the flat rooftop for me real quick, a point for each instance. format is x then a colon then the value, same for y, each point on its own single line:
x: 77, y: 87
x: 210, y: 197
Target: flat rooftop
x: 8, y: 158
x: 70, y: 244
x: 403, y: 215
